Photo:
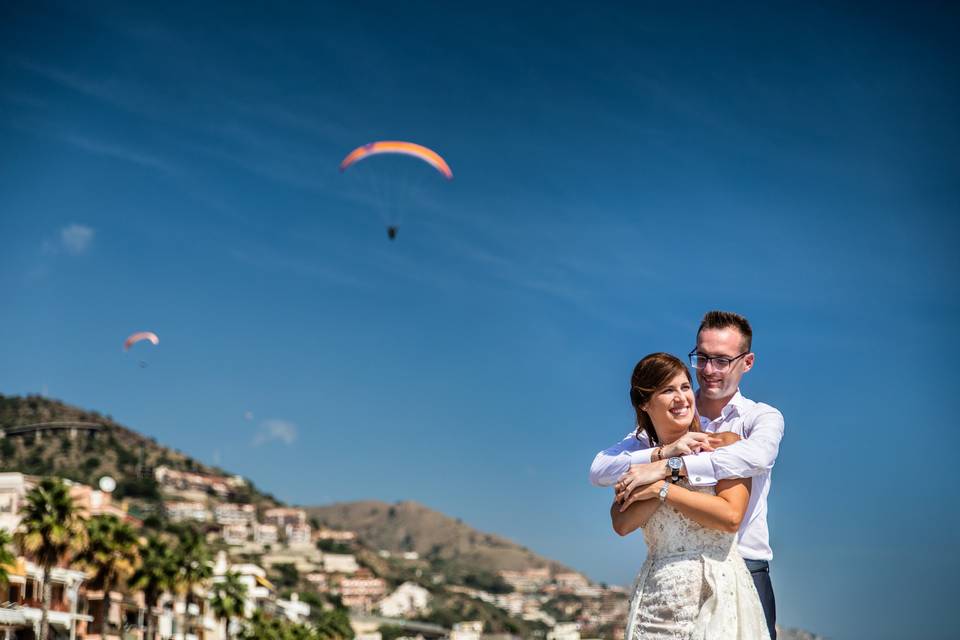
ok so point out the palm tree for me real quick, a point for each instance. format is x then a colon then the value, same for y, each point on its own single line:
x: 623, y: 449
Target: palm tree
x: 157, y: 573
x: 193, y: 559
x: 111, y: 553
x: 7, y: 558
x: 227, y: 600
x: 50, y: 530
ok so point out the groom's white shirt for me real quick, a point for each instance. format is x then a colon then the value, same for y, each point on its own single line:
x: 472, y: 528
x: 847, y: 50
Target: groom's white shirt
x: 760, y: 426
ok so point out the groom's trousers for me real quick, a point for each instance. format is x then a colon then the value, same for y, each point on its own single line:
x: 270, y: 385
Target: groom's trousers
x: 760, y: 572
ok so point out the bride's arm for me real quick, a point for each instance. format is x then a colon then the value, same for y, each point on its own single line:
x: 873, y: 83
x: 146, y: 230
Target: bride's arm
x: 723, y: 511
x: 634, y: 517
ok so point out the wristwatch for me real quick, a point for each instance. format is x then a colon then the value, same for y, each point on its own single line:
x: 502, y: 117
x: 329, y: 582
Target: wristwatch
x: 663, y: 491
x: 674, y: 464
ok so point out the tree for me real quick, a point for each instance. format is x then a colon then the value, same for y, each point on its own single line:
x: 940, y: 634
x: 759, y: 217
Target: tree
x: 285, y: 576
x: 156, y: 574
x: 50, y: 531
x: 111, y: 553
x: 391, y: 632
x: 332, y: 546
x: 193, y: 559
x: 6, y: 556
x: 228, y: 598
x: 333, y: 624
x: 262, y: 626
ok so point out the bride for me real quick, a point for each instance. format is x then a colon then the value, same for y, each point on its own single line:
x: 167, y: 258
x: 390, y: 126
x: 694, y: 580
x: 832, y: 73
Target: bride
x: 693, y: 584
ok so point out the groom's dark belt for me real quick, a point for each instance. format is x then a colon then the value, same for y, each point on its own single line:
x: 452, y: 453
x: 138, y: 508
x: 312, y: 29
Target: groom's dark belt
x: 758, y: 566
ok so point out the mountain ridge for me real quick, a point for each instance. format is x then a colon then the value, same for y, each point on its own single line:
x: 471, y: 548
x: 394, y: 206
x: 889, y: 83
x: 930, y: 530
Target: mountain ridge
x: 408, y: 525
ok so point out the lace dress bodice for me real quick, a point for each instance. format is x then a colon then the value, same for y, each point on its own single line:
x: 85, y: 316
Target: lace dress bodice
x: 693, y: 584
x: 670, y: 533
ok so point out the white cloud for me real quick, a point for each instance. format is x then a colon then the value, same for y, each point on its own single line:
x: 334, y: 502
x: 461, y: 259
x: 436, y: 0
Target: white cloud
x: 274, y: 429
x: 76, y: 238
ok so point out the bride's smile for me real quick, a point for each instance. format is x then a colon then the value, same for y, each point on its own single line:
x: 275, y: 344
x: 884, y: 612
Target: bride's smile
x: 672, y: 408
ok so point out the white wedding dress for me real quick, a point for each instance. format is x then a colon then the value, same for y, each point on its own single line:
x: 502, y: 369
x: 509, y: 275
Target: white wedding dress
x: 693, y: 585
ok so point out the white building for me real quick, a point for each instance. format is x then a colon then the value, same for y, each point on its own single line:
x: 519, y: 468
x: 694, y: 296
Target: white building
x: 333, y: 534
x: 23, y: 592
x: 232, y: 513
x: 408, y: 599
x: 282, y: 516
x: 173, y: 480
x: 361, y: 592
x: 298, y: 534
x: 564, y: 631
x: 318, y: 580
x: 297, y: 611
x: 235, y: 534
x: 13, y: 488
x: 340, y: 563
x: 571, y: 581
x: 265, y: 534
x: 467, y: 630
x: 527, y: 581
x: 259, y: 590
x: 184, y: 511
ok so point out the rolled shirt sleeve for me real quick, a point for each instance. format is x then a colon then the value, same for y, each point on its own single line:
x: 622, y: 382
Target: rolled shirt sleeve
x: 611, y: 463
x: 751, y: 456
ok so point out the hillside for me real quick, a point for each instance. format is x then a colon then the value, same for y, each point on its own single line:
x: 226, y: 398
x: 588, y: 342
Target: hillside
x: 99, y: 447
x: 409, y: 526
x: 110, y: 448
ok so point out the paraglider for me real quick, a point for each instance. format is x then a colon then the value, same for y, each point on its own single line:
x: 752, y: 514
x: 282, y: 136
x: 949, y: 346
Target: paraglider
x: 141, y: 336
x: 393, y: 180
x: 138, y: 337
x: 426, y: 154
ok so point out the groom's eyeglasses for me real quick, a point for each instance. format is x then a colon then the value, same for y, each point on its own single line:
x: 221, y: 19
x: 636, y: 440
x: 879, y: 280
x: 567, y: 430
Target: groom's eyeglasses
x: 720, y: 363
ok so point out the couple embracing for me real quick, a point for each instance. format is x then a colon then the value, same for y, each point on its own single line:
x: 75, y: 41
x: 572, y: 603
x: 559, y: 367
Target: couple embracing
x: 694, y: 477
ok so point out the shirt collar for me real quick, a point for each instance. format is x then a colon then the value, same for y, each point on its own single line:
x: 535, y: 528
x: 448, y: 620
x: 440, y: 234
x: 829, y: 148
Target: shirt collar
x: 735, y: 406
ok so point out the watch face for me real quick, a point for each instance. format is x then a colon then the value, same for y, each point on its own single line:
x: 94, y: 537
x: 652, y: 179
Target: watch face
x: 674, y: 463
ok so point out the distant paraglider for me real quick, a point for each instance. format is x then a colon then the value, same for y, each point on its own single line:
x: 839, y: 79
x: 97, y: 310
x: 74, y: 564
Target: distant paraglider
x: 141, y: 336
x: 388, y: 183
x: 138, y: 337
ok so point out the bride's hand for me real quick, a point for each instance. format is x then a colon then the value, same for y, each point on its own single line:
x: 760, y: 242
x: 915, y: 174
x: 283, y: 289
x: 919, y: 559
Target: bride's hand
x: 689, y: 443
x: 641, y: 493
x: 637, y: 476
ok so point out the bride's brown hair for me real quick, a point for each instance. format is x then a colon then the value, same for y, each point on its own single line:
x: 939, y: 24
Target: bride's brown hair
x: 650, y: 374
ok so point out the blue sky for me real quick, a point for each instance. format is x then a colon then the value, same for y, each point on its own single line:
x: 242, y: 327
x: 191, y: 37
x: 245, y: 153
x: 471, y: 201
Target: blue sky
x: 619, y: 171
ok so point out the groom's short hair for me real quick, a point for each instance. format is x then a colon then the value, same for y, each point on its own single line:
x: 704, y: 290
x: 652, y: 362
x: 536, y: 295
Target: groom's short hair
x: 725, y: 319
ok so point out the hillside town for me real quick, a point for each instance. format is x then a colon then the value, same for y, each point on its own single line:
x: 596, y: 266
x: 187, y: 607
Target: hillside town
x: 202, y: 563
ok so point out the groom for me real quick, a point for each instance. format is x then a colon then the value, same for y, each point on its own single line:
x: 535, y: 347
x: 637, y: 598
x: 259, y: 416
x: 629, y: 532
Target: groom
x: 721, y: 358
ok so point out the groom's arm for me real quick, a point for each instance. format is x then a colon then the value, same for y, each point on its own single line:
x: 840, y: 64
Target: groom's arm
x: 754, y: 454
x: 610, y: 464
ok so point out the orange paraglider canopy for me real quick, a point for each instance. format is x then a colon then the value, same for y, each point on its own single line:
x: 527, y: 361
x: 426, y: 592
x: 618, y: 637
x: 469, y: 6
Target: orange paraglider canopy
x: 428, y: 155
x: 137, y: 337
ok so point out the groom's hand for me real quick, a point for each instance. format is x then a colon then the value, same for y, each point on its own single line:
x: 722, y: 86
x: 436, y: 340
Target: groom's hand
x: 639, y: 475
x: 723, y: 439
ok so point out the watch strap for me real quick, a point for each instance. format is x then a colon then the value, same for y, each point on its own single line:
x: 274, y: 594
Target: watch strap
x: 663, y: 491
